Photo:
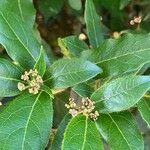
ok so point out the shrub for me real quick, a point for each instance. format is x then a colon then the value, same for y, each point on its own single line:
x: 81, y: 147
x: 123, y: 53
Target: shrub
x: 91, y: 96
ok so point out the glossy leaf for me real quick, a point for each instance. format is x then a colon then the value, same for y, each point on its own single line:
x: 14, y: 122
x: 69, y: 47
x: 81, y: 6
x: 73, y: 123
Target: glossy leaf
x: 18, y: 39
x: 144, y: 109
x: 57, y: 142
x: 83, y: 89
x: 26, y: 122
x: 93, y: 24
x: 41, y: 63
x: 117, y: 21
x: 120, y: 131
x: 122, y: 56
x: 10, y: 75
x: 24, y: 9
x: 71, y: 45
x: 81, y: 133
x: 47, y: 90
x: 121, y: 94
x: 69, y: 72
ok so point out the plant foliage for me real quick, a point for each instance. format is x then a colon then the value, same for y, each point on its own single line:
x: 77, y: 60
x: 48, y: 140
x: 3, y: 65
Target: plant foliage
x: 110, y: 72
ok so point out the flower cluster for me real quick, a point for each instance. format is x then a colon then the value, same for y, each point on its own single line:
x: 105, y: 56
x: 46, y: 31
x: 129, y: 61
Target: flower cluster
x: 31, y: 81
x: 87, y: 108
x: 136, y: 20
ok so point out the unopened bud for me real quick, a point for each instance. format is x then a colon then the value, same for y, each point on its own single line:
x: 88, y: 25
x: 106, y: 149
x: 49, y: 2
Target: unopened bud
x: 82, y: 37
x: 116, y: 35
x: 137, y: 19
x: 34, y: 81
x: 132, y: 22
x: 73, y: 112
x: 21, y: 86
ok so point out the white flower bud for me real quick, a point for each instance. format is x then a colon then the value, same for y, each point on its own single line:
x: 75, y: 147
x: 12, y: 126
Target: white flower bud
x: 137, y: 19
x: 87, y: 107
x: 21, y: 86
x: 73, y: 112
x: 34, y: 81
x: 25, y: 77
x: 82, y: 37
x: 132, y: 22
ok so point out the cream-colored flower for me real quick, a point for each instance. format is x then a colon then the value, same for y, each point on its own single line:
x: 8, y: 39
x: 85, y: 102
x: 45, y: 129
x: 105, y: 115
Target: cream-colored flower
x: 94, y: 115
x: 136, y: 20
x: 34, y: 73
x: 33, y: 90
x: 39, y: 79
x: 25, y: 77
x: 132, y: 22
x: 73, y: 112
x: 21, y: 86
x: 82, y: 37
x: 33, y: 81
x: 87, y: 108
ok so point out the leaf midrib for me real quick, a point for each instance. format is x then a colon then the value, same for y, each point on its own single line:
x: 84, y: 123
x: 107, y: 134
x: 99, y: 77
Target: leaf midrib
x: 85, y: 133
x: 19, y: 5
x: 120, y: 93
x: 147, y: 105
x: 7, y: 78
x: 112, y: 58
x: 141, y: 112
x: 17, y: 36
x: 29, y: 117
x: 64, y: 74
x: 120, y: 131
x: 76, y: 46
x: 93, y: 23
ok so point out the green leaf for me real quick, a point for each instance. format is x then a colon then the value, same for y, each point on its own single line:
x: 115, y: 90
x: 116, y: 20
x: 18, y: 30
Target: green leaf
x: 41, y: 63
x: 47, y: 90
x: 25, y: 123
x: 24, y: 9
x: 71, y: 45
x: 122, y: 56
x: 75, y: 4
x: 69, y: 72
x: 56, y: 144
x: 50, y: 8
x: 18, y: 39
x: 117, y: 21
x: 120, y: 131
x: 83, y: 89
x: 93, y: 24
x: 10, y: 75
x: 81, y: 133
x: 121, y: 94
x: 144, y: 109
